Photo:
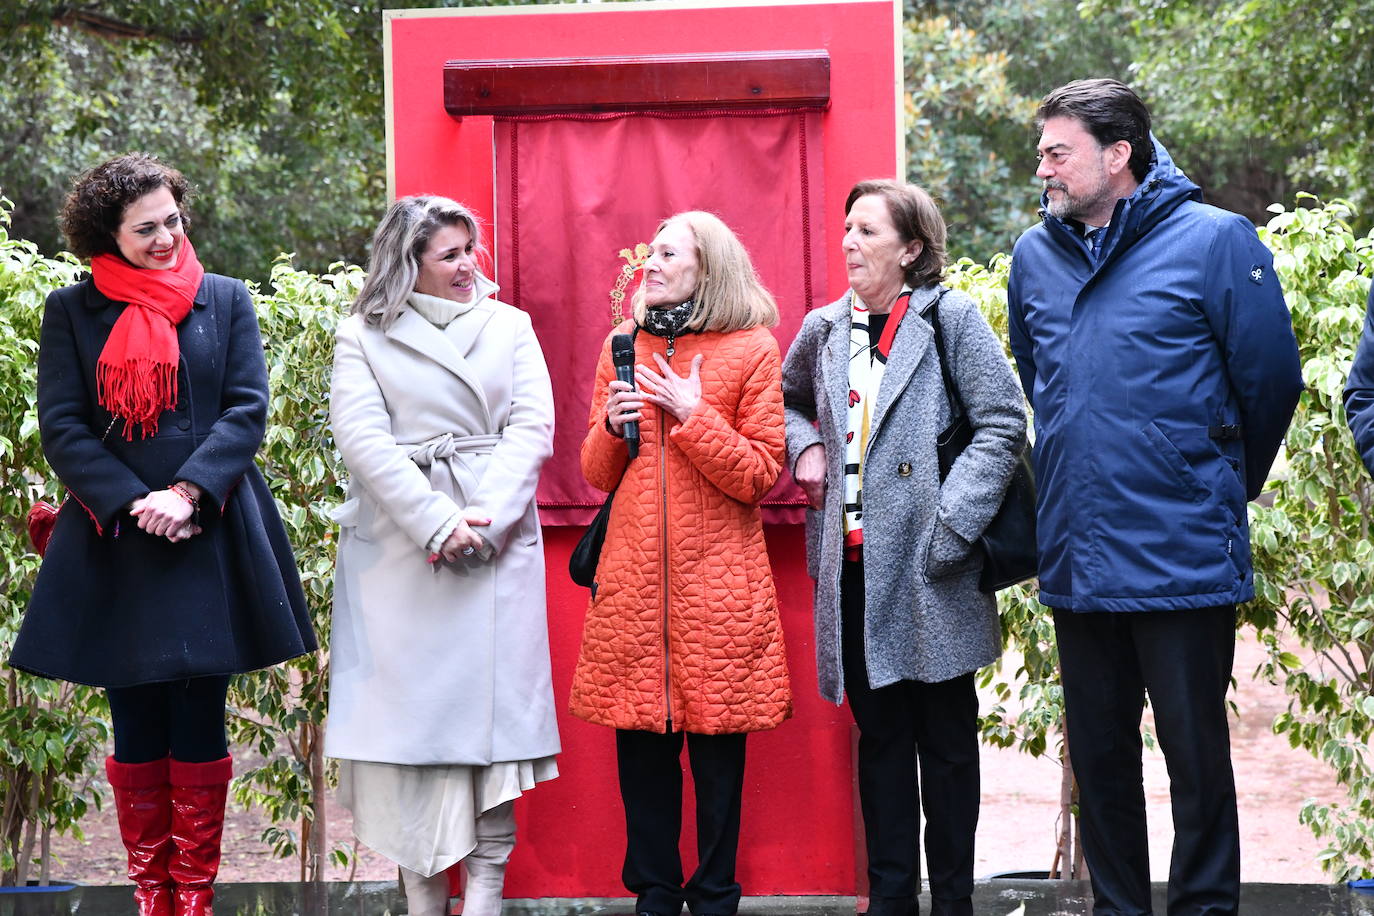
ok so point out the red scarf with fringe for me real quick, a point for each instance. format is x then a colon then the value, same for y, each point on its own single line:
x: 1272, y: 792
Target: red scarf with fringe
x: 136, y: 375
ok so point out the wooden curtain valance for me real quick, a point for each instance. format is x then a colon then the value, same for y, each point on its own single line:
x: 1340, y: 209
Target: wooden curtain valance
x: 557, y: 85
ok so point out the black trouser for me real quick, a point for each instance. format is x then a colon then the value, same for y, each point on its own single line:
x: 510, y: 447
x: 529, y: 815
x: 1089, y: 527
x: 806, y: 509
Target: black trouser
x: 1183, y: 659
x: 899, y: 725
x: 182, y: 718
x: 651, y: 788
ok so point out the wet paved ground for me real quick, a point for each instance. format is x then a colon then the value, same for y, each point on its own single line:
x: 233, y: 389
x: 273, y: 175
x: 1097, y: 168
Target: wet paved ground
x: 381, y: 898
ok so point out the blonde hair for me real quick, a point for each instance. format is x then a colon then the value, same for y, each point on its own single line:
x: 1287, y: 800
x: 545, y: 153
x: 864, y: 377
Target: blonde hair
x: 729, y: 296
x: 400, y: 241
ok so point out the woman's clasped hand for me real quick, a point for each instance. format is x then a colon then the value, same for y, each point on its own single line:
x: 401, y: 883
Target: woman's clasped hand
x: 169, y: 513
x: 464, y: 542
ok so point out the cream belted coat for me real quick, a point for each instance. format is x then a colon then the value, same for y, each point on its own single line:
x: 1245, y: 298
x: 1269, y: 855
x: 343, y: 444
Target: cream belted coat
x: 450, y: 663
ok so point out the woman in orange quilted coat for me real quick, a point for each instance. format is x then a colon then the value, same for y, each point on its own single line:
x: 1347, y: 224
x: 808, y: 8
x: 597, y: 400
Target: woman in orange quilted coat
x: 682, y: 636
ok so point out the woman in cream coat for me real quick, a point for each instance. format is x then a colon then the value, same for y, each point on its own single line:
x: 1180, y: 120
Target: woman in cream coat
x: 441, y: 705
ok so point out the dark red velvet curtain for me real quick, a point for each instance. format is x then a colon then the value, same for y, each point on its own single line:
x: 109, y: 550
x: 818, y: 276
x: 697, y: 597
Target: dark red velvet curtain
x: 573, y: 191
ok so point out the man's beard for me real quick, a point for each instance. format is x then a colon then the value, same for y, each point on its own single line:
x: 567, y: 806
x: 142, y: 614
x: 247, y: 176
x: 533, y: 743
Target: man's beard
x: 1068, y: 206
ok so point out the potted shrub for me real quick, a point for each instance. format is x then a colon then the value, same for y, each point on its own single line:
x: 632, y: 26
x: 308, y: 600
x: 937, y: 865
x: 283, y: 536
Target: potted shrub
x: 52, y: 734
x: 280, y: 712
x: 1314, y: 546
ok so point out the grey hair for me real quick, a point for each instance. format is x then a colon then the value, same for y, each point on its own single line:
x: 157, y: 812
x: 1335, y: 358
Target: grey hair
x: 400, y: 240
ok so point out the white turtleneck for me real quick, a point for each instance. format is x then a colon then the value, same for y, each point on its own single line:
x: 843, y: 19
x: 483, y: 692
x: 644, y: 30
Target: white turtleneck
x: 438, y: 311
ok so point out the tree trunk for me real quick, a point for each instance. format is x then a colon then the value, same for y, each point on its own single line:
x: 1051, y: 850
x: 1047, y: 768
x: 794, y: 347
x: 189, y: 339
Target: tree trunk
x: 11, y: 824
x: 1080, y: 867
x: 25, y: 856
x: 314, y: 829
x: 1069, y: 807
x: 1068, y: 853
x: 1064, y: 850
x: 319, y: 833
x: 45, y: 856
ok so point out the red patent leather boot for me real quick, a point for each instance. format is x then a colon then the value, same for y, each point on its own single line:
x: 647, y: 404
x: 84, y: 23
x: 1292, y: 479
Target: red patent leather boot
x: 143, y: 803
x: 198, y: 795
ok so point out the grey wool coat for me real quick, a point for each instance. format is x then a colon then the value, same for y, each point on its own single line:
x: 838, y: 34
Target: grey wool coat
x: 924, y: 618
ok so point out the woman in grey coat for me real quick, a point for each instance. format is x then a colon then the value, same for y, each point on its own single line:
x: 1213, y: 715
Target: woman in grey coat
x: 900, y: 623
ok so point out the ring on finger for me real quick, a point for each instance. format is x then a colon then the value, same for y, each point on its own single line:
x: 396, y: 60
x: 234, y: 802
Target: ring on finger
x: 469, y: 551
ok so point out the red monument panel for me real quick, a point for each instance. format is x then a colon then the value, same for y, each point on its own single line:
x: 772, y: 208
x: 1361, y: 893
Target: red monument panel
x: 668, y: 106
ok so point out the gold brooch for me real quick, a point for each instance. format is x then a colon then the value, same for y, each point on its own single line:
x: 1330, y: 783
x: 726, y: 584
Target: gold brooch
x: 634, y: 260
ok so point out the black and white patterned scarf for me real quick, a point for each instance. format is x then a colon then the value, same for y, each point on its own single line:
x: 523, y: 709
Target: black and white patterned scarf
x: 667, y: 322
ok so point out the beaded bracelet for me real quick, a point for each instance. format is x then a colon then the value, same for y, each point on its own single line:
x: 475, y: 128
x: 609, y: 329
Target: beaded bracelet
x: 185, y: 494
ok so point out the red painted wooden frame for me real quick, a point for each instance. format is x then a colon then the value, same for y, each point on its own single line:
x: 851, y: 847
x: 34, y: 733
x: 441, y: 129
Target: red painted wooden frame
x: 510, y: 86
x: 801, y: 833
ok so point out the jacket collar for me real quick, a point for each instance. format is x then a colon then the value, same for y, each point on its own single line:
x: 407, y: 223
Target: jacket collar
x: 448, y: 347
x: 908, y: 349
x: 1164, y: 189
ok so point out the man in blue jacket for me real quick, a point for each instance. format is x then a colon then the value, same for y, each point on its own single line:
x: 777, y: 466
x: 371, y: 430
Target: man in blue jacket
x: 1359, y: 390
x: 1155, y: 346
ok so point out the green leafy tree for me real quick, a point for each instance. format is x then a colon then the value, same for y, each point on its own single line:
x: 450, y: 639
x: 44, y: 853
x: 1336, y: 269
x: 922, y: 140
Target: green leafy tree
x: 51, y: 733
x: 1281, y: 85
x: 273, y: 110
x: 963, y: 122
x: 974, y: 73
x: 1314, y: 557
x: 280, y: 712
x: 81, y: 87
x: 1046, y: 45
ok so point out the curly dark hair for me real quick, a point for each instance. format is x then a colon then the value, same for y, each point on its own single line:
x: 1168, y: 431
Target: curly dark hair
x: 96, y: 203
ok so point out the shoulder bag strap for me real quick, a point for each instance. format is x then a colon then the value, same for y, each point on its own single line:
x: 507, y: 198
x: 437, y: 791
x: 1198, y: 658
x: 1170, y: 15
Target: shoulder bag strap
x: 956, y: 401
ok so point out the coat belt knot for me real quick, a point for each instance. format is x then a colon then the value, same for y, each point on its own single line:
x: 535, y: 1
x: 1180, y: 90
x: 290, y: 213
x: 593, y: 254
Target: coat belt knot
x: 434, y: 453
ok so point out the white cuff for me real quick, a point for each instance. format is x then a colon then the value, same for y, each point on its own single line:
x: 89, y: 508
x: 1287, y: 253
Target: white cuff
x: 444, y: 531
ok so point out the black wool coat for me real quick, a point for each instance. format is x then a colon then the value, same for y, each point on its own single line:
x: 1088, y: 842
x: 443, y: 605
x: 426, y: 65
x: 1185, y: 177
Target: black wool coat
x: 114, y: 606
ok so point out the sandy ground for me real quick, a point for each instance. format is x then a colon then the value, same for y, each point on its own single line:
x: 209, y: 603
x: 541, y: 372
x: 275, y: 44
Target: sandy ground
x: 1016, y: 831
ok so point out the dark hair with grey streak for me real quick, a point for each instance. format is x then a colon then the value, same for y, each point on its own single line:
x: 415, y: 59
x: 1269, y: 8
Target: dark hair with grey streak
x: 94, y: 207
x: 1110, y: 111
x: 400, y: 240
x: 916, y: 218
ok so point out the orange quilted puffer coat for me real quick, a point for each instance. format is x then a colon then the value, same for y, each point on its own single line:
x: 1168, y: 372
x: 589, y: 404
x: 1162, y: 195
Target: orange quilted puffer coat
x: 683, y: 623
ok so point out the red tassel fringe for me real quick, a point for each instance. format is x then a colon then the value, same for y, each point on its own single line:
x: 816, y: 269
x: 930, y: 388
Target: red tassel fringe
x: 139, y: 391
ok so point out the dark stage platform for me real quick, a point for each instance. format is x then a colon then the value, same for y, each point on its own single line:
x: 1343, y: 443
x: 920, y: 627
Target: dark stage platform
x: 996, y: 897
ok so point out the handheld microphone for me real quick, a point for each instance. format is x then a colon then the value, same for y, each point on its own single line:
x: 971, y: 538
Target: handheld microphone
x: 623, y: 356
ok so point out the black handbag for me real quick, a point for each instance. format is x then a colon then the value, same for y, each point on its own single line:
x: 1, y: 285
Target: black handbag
x: 1007, y: 544
x: 587, y: 554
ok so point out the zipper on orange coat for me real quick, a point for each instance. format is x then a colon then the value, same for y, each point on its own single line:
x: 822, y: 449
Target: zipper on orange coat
x: 663, y: 553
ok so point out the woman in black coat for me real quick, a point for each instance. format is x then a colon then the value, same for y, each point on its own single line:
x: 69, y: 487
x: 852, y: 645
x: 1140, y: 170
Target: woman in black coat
x: 168, y: 569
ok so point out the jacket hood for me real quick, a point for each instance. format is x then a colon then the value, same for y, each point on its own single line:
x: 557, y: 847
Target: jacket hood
x: 1165, y: 187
